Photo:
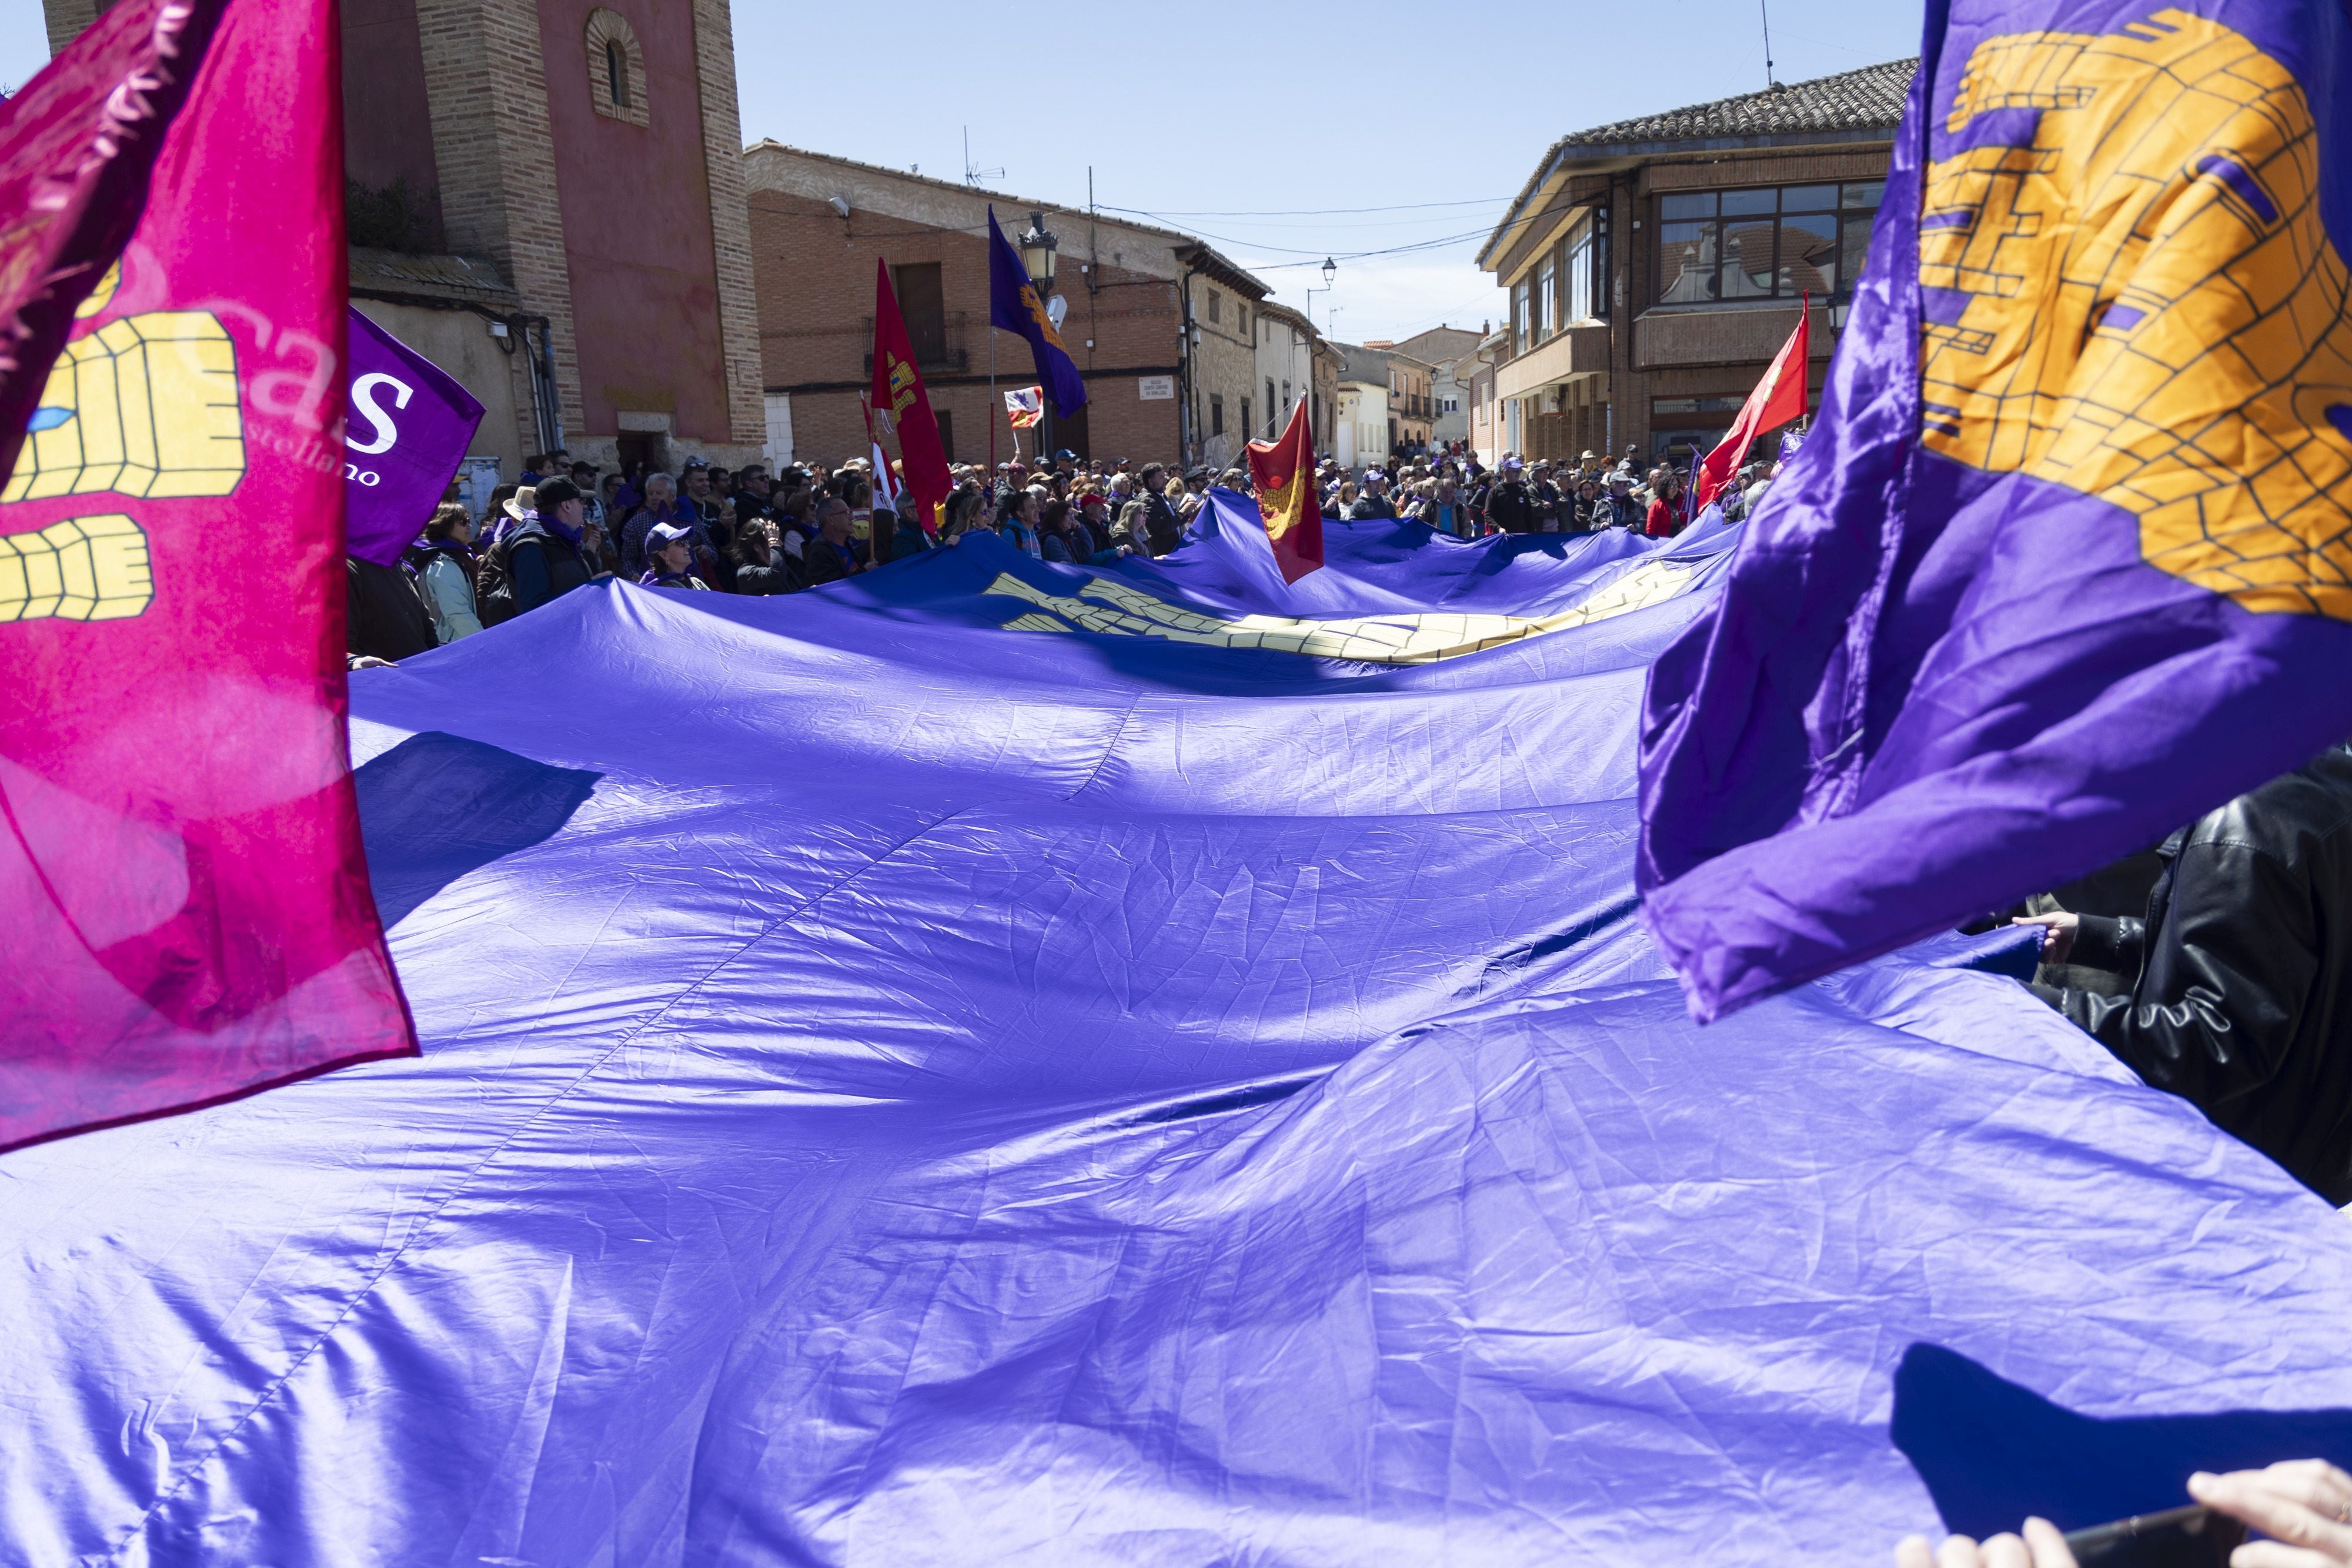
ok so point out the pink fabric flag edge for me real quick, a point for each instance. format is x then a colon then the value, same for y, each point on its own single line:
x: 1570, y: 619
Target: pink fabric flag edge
x: 199, y: 734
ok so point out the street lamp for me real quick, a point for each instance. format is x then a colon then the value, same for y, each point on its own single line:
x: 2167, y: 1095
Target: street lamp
x: 1038, y: 251
x: 1330, y: 271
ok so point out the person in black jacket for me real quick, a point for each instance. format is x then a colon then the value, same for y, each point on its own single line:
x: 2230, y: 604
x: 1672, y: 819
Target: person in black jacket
x: 384, y: 622
x: 2242, y: 997
x: 828, y: 558
x: 760, y: 567
x: 1509, y: 506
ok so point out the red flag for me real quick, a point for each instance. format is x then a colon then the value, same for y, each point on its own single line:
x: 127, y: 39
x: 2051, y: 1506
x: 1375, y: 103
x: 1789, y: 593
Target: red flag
x: 1778, y: 399
x: 180, y: 871
x: 899, y: 397
x: 1284, y: 473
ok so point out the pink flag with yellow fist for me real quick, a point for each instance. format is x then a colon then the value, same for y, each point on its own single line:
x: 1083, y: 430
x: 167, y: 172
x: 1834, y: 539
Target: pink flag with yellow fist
x: 181, y: 871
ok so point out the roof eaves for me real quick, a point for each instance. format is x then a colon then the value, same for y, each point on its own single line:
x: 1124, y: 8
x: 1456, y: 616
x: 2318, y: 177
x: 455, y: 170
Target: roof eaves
x: 1626, y: 142
x: 1220, y: 267
x: 1024, y: 203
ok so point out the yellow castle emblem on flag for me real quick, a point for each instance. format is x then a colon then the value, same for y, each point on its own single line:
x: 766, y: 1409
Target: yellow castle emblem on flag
x: 146, y: 407
x: 2128, y: 290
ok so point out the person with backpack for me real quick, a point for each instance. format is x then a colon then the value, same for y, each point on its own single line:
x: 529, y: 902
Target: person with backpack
x: 542, y: 558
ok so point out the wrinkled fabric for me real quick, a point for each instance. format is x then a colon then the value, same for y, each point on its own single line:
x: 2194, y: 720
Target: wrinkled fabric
x: 906, y: 1084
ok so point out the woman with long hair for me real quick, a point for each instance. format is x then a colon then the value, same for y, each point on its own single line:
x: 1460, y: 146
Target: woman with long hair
x: 1016, y: 519
x: 965, y: 512
x: 444, y: 563
x: 760, y: 565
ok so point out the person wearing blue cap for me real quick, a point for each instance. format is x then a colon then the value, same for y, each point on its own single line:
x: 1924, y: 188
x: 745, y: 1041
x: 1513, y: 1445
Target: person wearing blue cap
x: 669, y: 559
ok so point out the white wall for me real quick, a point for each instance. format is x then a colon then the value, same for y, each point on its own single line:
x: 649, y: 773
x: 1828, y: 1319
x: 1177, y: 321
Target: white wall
x: 779, y: 449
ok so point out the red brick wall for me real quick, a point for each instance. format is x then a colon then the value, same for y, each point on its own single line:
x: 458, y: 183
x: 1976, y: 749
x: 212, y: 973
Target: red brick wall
x: 814, y: 278
x: 384, y: 106
x: 635, y: 208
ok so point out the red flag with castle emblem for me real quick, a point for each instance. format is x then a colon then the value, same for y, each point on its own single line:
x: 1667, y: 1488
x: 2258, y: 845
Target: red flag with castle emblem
x: 182, y: 876
x: 1284, y: 473
x: 904, y: 406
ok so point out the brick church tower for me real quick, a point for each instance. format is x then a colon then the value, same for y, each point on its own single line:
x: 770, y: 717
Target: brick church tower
x: 546, y: 198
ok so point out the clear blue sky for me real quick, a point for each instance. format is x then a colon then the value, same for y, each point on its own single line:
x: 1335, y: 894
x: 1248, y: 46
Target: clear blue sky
x: 1289, y: 109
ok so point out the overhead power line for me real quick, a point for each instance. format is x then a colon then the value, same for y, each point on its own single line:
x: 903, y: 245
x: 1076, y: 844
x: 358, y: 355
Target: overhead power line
x: 1364, y: 255
x: 1310, y: 211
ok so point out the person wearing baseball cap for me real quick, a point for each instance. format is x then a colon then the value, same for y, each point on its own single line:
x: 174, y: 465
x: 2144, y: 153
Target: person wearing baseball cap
x: 669, y: 559
x: 1373, y: 503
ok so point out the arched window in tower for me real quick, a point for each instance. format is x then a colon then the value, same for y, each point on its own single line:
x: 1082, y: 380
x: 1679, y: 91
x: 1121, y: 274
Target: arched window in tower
x: 616, y: 67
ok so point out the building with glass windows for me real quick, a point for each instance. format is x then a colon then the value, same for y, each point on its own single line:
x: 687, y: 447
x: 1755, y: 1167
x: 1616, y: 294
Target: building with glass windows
x: 1655, y: 266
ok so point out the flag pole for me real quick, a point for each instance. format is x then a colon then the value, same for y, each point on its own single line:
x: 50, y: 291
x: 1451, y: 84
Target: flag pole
x: 991, y: 406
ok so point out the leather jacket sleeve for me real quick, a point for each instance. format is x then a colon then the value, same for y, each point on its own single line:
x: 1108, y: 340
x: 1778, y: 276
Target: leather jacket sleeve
x: 2223, y: 989
x: 2113, y: 942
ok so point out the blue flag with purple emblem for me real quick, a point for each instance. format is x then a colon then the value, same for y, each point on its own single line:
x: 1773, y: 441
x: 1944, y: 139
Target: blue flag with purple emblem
x: 2067, y: 560
x: 1013, y: 305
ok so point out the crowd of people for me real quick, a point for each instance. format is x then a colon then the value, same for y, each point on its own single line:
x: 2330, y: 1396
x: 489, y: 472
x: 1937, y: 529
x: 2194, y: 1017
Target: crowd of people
x: 1456, y: 494
x: 567, y: 523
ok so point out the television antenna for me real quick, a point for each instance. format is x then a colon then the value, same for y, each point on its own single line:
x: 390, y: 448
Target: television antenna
x: 973, y: 177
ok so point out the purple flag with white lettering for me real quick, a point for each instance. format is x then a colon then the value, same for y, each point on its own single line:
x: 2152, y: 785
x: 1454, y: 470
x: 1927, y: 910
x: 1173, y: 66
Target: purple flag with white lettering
x: 2067, y: 558
x: 409, y: 426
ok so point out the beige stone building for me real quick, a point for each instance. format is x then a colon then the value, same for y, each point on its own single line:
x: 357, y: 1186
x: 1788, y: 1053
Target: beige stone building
x: 1160, y: 327
x: 1439, y: 347
x: 1221, y: 303
x: 1655, y: 266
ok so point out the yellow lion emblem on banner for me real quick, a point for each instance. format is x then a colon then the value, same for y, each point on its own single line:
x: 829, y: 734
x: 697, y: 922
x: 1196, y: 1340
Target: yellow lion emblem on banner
x: 2128, y: 290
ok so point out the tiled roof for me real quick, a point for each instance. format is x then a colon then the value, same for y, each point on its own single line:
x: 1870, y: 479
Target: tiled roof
x: 1868, y: 99
x: 450, y: 277
x: 1358, y: 364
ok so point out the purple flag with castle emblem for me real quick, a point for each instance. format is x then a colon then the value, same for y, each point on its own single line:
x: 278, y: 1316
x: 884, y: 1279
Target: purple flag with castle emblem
x: 408, y: 429
x: 2067, y: 560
